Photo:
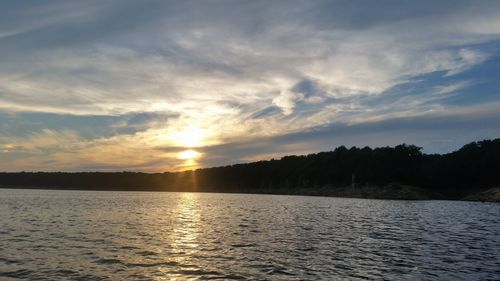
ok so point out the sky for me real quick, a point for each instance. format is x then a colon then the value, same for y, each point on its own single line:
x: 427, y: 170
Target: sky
x: 175, y: 85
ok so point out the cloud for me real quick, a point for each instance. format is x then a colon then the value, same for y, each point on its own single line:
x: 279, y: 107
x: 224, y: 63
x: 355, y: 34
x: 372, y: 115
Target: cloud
x: 286, y: 101
x: 237, y: 69
x: 436, y: 132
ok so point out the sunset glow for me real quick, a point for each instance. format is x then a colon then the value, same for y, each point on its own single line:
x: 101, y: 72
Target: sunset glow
x: 126, y: 86
x: 190, y: 137
x: 188, y: 154
x: 249, y: 140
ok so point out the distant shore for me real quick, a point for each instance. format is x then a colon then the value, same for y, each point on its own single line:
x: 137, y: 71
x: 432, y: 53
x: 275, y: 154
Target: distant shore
x: 388, y: 192
x: 400, y: 172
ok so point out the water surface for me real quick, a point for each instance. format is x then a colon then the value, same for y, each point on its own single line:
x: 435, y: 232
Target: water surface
x: 95, y: 235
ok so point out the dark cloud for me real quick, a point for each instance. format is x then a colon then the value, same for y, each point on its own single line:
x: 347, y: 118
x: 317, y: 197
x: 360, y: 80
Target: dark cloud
x: 367, y: 14
x: 307, y: 87
x: 87, y: 126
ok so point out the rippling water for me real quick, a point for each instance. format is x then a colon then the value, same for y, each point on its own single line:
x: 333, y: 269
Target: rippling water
x: 86, y: 235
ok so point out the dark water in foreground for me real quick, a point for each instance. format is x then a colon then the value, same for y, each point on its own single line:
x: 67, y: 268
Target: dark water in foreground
x: 86, y: 235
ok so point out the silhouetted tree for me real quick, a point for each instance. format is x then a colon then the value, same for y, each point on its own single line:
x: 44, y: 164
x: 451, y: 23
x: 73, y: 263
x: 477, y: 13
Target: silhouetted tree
x: 474, y: 166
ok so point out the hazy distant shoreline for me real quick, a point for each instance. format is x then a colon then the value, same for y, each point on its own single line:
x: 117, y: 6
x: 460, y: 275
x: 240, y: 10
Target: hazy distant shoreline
x: 400, y: 172
x: 390, y: 192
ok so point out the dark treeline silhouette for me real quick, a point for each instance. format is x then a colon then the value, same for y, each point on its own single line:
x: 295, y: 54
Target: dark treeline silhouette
x: 474, y: 167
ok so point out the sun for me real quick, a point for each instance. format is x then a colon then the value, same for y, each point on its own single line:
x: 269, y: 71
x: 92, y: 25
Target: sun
x: 188, y: 154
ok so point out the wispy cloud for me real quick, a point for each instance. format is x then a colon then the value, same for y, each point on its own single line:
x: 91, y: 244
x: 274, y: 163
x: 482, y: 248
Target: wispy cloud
x: 237, y: 70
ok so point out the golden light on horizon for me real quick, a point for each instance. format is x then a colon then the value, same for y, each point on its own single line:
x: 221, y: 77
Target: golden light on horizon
x: 188, y: 154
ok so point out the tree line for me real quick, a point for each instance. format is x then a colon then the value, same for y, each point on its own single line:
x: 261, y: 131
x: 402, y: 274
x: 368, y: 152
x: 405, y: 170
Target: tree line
x: 472, y: 167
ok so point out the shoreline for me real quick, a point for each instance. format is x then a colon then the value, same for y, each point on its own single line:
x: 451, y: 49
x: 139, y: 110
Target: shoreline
x: 490, y: 195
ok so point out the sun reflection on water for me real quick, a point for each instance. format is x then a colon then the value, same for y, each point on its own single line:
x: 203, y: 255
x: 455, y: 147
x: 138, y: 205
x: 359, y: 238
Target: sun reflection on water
x: 187, y: 228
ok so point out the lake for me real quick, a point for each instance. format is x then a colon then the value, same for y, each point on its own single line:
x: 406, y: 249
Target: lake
x: 97, y: 235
